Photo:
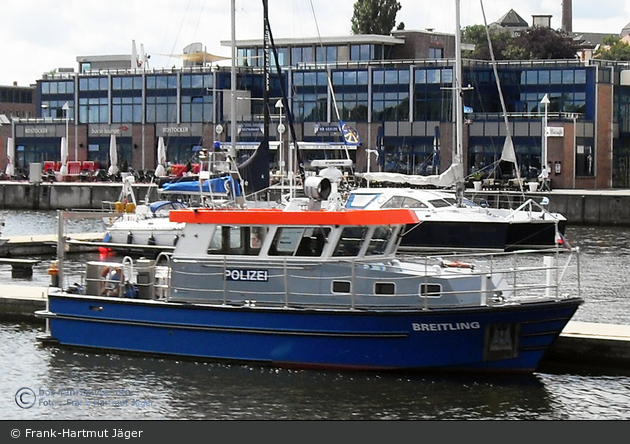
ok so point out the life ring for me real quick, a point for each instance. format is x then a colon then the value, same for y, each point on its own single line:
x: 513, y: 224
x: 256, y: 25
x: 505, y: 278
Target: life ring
x: 110, y: 282
x: 457, y: 264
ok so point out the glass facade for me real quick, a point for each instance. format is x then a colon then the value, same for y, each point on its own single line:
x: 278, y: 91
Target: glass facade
x: 405, y: 101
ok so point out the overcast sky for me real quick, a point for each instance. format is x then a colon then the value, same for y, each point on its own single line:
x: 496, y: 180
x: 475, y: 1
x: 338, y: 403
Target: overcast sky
x: 37, y: 36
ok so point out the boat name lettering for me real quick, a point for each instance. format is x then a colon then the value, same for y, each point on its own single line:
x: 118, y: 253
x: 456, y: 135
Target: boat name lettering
x: 247, y: 275
x: 446, y: 326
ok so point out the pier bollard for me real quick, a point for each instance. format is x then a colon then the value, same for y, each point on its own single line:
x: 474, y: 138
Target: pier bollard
x: 53, y: 271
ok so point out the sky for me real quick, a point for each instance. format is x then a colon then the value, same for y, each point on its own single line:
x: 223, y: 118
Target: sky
x: 38, y: 36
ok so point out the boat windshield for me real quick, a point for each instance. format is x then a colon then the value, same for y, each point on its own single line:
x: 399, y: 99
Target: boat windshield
x: 350, y: 241
x: 163, y: 208
x: 299, y: 241
x: 360, y: 201
x: 404, y: 202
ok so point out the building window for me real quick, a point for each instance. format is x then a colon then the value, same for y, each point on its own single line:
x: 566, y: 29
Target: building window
x: 361, y: 53
x: 162, y: 82
x: 310, y: 98
x: 161, y: 109
x: 197, y: 109
x: 197, y: 81
x: 431, y: 100
x: 93, y: 84
x: 58, y: 87
x: 390, y: 99
x: 436, y: 53
x: 126, y: 109
x: 350, y: 88
x: 584, y: 161
x: 127, y: 83
x: 326, y: 54
x: 93, y: 110
x: 302, y: 54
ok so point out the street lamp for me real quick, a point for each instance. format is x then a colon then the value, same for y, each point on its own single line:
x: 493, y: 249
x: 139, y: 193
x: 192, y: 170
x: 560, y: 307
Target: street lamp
x: 66, y: 109
x: 544, y: 101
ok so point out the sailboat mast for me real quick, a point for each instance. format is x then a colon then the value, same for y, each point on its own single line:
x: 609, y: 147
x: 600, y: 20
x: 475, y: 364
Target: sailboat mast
x: 459, y: 107
x: 233, y: 83
x: 266, y: 79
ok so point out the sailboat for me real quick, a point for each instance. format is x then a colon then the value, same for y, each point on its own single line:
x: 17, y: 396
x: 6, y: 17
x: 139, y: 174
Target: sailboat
x: 450, y: 221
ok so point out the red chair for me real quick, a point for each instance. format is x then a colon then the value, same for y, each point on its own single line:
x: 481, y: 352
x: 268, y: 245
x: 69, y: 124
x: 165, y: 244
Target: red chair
x: 49, y: 165
x: 88, y: 165
x: 74, y: 168
x: 195, y: 168
x: 178, y: 170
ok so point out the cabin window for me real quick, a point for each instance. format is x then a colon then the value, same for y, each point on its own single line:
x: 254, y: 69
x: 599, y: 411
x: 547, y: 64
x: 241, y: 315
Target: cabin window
x: 256, y: 237
x: 350, y: 241
x: 379, y: 240
x: 236, y: 240
x: 312, y: 242
x: 430, y: 290
x: 410, y: 202
x: 384, y: 288
x: 216, y: 242
x: 341, y: 287
x: 394, y: 202
x: 286, y: 241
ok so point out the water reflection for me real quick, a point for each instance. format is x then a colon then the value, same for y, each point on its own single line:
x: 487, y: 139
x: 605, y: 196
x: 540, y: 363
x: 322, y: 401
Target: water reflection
x: 141, y: 387
x: 198, y: 390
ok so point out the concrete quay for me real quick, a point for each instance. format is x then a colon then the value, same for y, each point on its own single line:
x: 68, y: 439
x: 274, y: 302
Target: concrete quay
x: 610, y: 207
x: 601, y: 348
x: 604, y: 207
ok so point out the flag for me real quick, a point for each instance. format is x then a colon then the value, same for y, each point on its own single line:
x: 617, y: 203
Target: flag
x: 350, y: 135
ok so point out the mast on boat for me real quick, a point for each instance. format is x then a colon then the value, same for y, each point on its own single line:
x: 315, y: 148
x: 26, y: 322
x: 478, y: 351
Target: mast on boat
x: 233, y: 129
x: 459, y: 104
x: 458, y: 90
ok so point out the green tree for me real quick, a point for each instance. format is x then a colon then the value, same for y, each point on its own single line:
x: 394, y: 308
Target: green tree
x: 613, y: 49
x: 374, y: 16
x: 533, y: 44
x: 545, y: 43
x: 476, y: 35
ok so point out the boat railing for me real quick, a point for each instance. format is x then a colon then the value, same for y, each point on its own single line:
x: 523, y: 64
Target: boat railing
x: 501, y: 278
x: 529, y: 204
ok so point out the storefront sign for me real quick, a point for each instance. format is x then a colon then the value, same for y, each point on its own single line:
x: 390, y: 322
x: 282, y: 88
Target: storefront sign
x: 326, y: 129
x: 555, y: 131
x: 176, y: 130
x: 35, y: 130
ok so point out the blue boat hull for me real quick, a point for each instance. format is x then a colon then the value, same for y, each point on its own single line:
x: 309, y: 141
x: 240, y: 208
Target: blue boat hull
x: 505, y: 339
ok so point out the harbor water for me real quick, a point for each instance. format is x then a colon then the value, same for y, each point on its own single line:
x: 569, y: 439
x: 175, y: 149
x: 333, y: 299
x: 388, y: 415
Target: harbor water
x: 73, y: 384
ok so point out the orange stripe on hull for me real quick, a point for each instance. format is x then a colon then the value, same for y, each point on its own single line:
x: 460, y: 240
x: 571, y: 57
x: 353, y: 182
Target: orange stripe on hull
x: 280, y: 217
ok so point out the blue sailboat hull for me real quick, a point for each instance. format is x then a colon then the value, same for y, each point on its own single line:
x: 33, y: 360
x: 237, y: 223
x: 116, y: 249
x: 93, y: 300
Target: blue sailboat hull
x: 497, y: 339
